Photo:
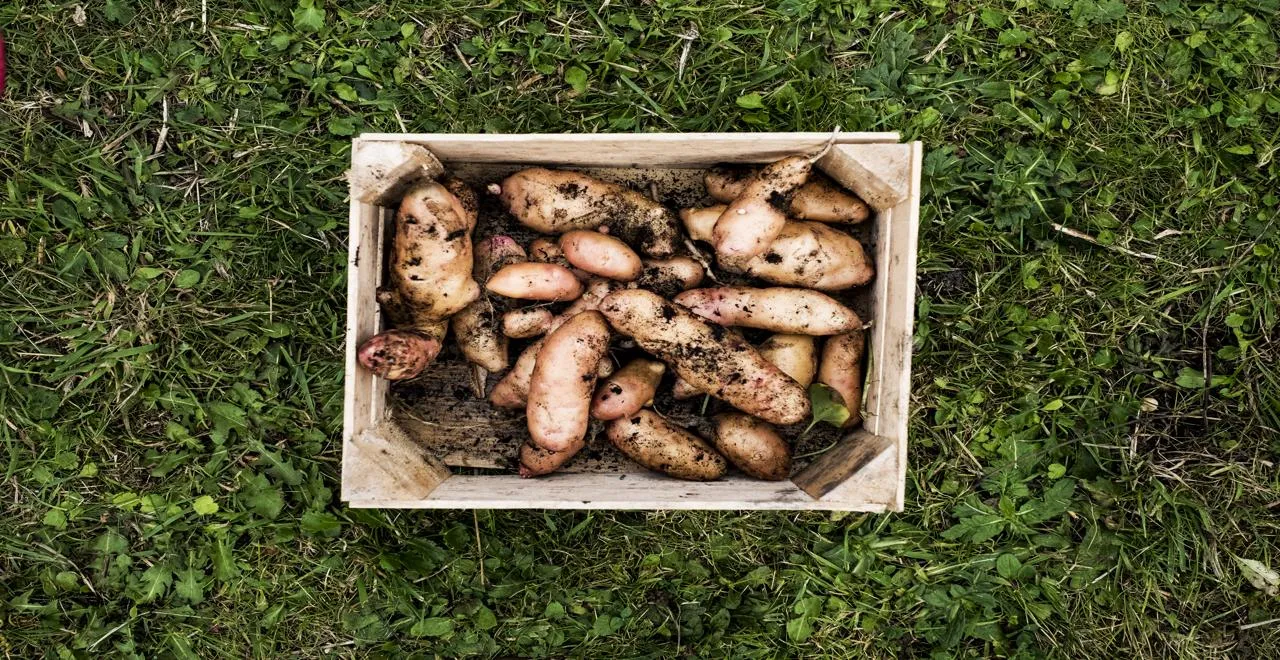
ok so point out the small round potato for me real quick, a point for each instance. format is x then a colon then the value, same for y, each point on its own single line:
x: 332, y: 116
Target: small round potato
x: 753, y: 446
x: 628, y: 390
x: 527, y: 322
x: 398, y: 354
x: 795, y: 355
x: 535, y: 281
x: 600, y: 254
x: 659, y: 445
x: 667, y: 277
x: 701, y: 221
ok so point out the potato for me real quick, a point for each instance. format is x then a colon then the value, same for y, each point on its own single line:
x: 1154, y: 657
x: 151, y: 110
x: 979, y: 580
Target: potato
x: 512, y: 391
x: 753, y: 219
x: 778, y: 309
x: 557, y: 201
x: 476, y: 327
x: 681, y: 390
x: 753, y: 446
x: 711, y: 358
x: 795, y: 355
x: 815, y: 256
x: 563, y: 379
x: 535, y: 281
x: 536, y: 461
x: 547, y: 251
x: 604, y: 368
x: 627, y: 390
x: 429, y: 278
x: 597, y: 289
x: 659, y: 445
x: 841, y: 370
x: 399, y: 354
x: 527, y: 322
x: 806, y: 254
x: 600, y: 254
x: 819, y: 199
x: 667, y: 277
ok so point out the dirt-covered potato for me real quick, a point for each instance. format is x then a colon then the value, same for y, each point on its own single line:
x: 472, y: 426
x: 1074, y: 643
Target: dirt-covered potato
x: 711, y: 358
x: 659, y: 445
x: 753, y: 446
x: 512, y: 391
x: 841, y: 370
x: 700, y: 221
x: 600, y: 254
x: 564, y: 376
x: 429, y: 278
x: 777, y: 309
x: 557, y: 201
x: 535, y: 281
x: 753, y: 219
x: 681, y: 390
x: 476, y: 327
x: 526, y: 322
x: 795, y: 355
x: 536, y: 461
x: 400, y: 354
x: 628, y: 390
x: 820, y: 199
x: 667, y: 277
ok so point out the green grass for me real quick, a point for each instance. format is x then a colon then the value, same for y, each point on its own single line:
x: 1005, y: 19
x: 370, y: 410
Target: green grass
x: 1095, y: 435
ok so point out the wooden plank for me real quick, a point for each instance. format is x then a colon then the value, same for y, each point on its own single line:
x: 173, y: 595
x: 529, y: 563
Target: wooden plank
x: 879, y: 173
x: 382, y: 171
x: 644, y: 490
x: 383, y: 464
x: 899, y: 315
x: 839, y: 464
x: 359, y: 394
x: 627, y: 149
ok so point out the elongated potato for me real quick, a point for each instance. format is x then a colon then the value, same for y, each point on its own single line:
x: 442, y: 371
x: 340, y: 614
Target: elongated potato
x: 535, y: 281
x: 526, y: 322
x: 659, y: 445
x: 536, y: 461
x: 753, y: 219
x: 557, y: 201
x: 753, y: 446
x: 563, y: 379
x: 795, y: 355
x: 815, y: 256
x: 600, y: 254
x: 820, y: 199
x: 512, y: 391
x: 400, y: 354
x: 476, y: 327
x: 841, y: 370
x: 778, y: 309
x: 429, y: 278
x: 681, y: 390
x: 711, y: 358
x: 667, y: 277
x: 628, y: 390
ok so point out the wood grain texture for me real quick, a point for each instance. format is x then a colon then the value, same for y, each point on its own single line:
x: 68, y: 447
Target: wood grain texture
x: 382, y: 171
x: 879, y: 173
x: 383, y: 463
x: 844, y: 461
x: 364, y: 397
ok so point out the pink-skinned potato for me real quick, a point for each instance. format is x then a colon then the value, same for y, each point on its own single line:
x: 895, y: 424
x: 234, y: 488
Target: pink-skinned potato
x: 535, y: 281
x: 399, y: 354
x: 527, y: 322
x: 628, y: 390
x: 600, y: 254
x: 753, y: 446
x: 841, y: 370
x: 752, y: 220
x: 536, y: 461
x: 564, y: 376
x: 777, y: 309
x: 820, y: 199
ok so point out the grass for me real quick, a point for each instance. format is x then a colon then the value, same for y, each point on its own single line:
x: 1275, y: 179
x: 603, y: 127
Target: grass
x: 1094, y: 434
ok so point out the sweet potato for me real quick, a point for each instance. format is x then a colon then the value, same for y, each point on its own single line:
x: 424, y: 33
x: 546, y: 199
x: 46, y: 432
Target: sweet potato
x: 820, y: 199
x: 628, y: 390
x: 711, y: 358
x: 535, y: 281
x: 563, y: 379
x: 778, y: 309
x: 795, y: 355
x: 600, y: 254
x: 526, y: 322
x: 659, y: 445
x: 476, y: 327
x: 667, y: 277
x: 557, y: 201
x: 841, y: 370
x: 400, y: 354
x: 536, y: 461
x: 753, y: 219
x: 753, y: 446
x: 430, y: 278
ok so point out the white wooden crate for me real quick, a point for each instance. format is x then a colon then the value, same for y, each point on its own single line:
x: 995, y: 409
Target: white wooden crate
x: 386, y: 466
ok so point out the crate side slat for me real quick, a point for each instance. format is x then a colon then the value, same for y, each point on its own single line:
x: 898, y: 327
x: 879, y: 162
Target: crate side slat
x: 362, y: 395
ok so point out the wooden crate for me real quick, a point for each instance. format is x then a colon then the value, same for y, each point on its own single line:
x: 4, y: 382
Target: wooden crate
x: 386, y: 465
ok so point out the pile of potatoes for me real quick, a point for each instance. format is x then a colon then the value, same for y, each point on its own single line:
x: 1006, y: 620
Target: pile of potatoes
x: 626, y: 269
